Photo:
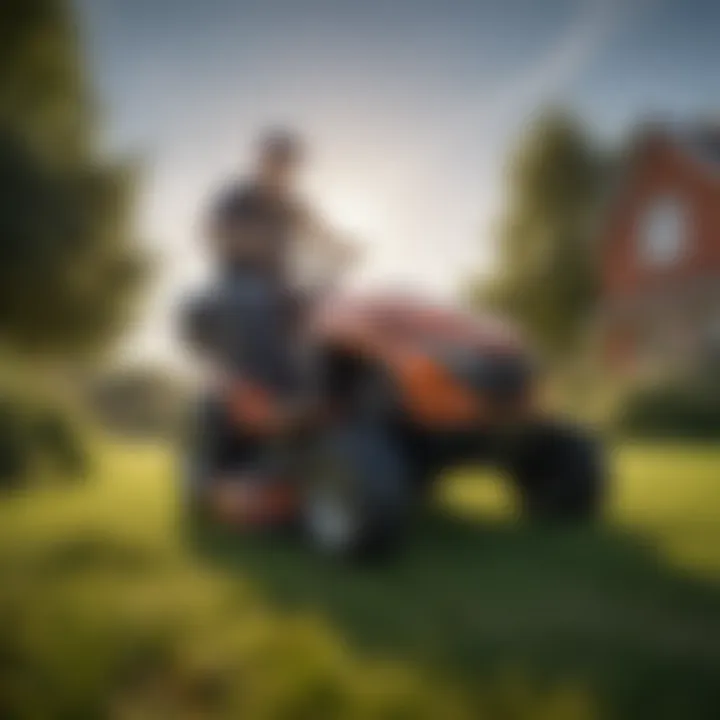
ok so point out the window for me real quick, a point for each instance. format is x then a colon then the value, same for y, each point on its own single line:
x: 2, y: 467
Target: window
x: 662, y: 232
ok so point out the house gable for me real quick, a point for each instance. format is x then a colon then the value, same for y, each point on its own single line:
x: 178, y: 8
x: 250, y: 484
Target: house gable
x: 664, y: 224
x: 660, y: 253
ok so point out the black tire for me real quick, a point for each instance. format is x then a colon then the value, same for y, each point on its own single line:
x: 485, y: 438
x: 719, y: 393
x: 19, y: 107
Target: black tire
x: 357, y: 472
x: 560, y: 473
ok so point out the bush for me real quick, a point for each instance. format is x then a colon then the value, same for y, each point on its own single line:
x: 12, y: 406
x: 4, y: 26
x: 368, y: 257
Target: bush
x: 688, y: 409
x: 14, y: 445
x: 138, y: 402
x: 60, y: 441
x: 33, y: 437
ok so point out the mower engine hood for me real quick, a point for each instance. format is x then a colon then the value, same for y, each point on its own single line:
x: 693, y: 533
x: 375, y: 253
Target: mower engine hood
x: 394, y: 318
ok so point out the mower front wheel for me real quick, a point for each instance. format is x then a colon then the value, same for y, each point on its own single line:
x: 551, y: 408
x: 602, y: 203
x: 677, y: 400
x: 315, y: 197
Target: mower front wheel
x: 357, y: 496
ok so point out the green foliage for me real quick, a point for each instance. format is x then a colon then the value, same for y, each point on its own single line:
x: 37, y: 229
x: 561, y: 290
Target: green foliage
x: 545, y: 278
x: 67, y: 263
x: 43, y: 94
x: 681, y: 408
x: 60, y: 440
x: 139, y: 401
x: 38, y: 437
x: 15, y: 446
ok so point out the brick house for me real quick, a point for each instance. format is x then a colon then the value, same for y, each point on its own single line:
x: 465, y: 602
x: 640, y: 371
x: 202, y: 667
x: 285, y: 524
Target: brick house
x: 660, y: 254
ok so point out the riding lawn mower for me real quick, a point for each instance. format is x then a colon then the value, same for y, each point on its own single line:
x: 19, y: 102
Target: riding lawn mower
x: 404, y: 389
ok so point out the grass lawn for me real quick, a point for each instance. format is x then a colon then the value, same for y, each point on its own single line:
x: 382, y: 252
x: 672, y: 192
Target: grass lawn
x: 108, y: 610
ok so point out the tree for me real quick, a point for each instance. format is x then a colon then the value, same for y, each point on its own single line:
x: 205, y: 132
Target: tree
x: 67, y: 260
x: 546, y: 275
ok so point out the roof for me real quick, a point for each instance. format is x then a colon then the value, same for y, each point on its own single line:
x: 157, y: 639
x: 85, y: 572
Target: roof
x: 702, y: 142
x: 698, y: 140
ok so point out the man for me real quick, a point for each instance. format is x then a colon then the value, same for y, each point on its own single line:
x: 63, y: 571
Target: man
x: 247, y: 323
x: 260, y: 233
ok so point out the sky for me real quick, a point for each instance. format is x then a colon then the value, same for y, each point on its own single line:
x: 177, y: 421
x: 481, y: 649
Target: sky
x: 410, y: 108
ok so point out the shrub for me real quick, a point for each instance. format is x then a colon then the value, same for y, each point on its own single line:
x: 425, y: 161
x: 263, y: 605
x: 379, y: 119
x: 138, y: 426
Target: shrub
x: 60, y: 441
x: 14, y: 445
x: 688, y: 409
x: 138, y: 402
x: 35, y: 436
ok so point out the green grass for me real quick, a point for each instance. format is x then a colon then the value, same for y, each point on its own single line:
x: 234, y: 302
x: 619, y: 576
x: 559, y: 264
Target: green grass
x: 108, y: 610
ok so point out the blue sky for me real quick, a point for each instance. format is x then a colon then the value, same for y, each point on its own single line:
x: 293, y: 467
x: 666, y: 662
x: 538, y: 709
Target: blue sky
x: 410, y: 107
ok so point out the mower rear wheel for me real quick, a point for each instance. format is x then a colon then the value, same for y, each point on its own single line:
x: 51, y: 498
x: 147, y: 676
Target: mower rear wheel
x: 356, y: 496
x: 560, y: 473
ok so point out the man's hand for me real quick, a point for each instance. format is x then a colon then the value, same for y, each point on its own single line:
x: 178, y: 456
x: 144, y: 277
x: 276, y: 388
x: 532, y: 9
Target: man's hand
x: 260, y: 413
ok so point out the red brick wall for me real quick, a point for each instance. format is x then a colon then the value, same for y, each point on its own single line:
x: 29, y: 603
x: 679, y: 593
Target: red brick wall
x: 661, y: 169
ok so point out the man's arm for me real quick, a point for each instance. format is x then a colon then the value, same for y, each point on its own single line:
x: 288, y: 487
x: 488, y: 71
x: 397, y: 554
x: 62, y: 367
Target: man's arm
x: 318, y: 236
